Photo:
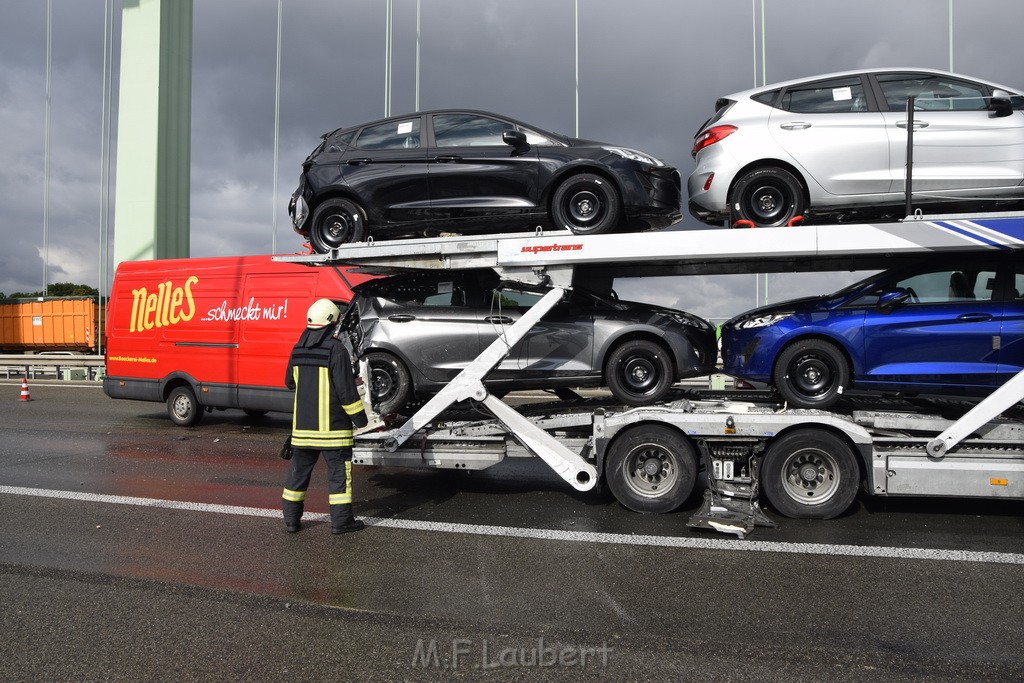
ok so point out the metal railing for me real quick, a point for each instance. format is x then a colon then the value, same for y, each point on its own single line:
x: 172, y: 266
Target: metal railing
x: 37, y: 366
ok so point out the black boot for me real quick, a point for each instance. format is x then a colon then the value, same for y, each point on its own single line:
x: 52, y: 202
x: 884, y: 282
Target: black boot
x: 342, y: 521
x: 348, y: 527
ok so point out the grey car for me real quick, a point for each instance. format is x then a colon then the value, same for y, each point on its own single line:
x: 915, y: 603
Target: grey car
x: 418, y: 330
x: 835, y: 146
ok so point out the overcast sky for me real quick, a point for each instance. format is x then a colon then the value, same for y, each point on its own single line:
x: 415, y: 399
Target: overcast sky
x: 649, y: 73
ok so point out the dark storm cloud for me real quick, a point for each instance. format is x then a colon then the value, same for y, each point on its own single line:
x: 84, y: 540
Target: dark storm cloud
x: 649, y: 73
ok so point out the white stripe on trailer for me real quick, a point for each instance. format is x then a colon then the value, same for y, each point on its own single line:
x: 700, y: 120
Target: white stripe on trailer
x: 999, y: 237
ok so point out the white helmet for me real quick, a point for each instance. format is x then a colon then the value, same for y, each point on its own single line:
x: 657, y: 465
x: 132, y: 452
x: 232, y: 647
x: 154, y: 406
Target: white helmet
x: 322, y: 312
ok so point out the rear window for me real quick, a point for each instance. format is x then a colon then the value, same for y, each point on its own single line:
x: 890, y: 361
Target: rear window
x: 391, y: 135
x: 839, y: 95
x: 766, y: 97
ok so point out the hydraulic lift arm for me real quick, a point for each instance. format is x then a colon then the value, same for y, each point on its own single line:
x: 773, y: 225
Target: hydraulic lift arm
x: 468, y: 384
x: 997, y: 402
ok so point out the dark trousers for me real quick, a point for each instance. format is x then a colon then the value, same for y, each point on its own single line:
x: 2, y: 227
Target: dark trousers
x: 339, y: 483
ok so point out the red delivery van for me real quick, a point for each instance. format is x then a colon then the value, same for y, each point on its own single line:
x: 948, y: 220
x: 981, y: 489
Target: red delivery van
x: 206, y: 333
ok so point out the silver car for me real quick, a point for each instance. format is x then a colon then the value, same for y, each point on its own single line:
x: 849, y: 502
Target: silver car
x: 417, y: 331
x: 835, y: 146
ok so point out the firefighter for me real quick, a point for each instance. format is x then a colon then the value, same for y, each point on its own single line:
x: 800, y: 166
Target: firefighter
x: 327, y: 406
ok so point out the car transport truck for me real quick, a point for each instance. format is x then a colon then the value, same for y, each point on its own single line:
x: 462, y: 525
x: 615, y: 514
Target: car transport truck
x: 806, y: 463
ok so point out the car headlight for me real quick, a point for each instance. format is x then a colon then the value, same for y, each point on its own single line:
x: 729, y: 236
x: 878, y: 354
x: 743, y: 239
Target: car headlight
x: 690, y: 320
x: 634, y: 155
x: 762, y: 320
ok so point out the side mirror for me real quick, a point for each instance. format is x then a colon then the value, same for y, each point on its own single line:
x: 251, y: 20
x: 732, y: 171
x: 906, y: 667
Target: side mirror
x: 515, y: 138
x: 999, y: 104
x: 890, y: 300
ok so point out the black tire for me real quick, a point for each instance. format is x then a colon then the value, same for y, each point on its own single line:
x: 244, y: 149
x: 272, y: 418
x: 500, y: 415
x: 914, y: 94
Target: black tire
x: 390, y: 383
x: 767, y: 197
x: 812, y: 373
x: 586, y: 204
x: 183, y: 408
x: 810, y: 474
x: 336, y: 222
x: 639, y: 372
x: 651, y: 468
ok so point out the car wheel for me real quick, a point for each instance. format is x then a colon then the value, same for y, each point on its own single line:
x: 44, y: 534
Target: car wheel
x: 767, y: 197
x: 183, y: 408
x: 639, y: 372
x: 390, y: 383
x: 586, y: 204
x: 651, y: 469
x: 811, y: 374
x: 336, y: 222
x: 810, y: 474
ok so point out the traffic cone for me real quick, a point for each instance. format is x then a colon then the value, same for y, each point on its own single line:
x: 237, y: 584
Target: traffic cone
x: 24, y: 390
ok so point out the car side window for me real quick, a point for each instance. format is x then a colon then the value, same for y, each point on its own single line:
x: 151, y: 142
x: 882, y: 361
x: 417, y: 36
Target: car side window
x: 425, y: 292
x: 933, y: 92
x: 839, y: 95
x: 403, y: 134
x: 468, y: 130
x: 510, y: 298
x: 950, y: 285
x: 339, y: 143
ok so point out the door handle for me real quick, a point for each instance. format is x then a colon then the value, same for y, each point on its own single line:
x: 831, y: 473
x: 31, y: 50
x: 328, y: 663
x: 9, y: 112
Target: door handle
x: 401, y: 318
x: 917, y: 124
x: 447, y: 159
x: 795, y: 125
x: 360, y: 161
x: 975, y: 317
x: 498, y: 319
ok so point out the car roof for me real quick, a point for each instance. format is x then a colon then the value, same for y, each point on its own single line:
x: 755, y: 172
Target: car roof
x: 855, y: 72
x: 399, y: 117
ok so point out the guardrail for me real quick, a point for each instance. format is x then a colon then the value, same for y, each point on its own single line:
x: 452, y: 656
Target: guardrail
x: 52, y: 367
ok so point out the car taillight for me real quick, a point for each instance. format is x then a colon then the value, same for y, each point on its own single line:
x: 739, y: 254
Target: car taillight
x: 710, y: 137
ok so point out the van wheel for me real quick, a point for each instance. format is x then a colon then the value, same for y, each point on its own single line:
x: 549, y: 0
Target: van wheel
x: 390, y: 383
x: 183, y: 408
x: 651, y: 468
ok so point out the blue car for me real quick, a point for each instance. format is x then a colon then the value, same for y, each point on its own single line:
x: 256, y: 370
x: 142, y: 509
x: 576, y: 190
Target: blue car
x: 951, y: 325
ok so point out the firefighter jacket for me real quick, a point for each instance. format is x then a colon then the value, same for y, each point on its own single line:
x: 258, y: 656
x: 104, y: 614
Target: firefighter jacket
x: 327, y: 404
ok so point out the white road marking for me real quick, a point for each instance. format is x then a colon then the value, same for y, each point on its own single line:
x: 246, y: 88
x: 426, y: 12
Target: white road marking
x: 554, y: 534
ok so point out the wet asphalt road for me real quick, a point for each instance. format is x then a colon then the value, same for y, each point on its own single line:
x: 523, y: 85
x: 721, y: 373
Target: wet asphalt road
x: 92, y: 589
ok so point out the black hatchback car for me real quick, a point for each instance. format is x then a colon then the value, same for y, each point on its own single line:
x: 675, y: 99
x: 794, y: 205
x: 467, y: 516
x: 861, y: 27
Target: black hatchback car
x: 417, y: 331
x: 461, y: 171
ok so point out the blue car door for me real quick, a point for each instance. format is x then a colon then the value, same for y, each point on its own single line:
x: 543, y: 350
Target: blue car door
x: 474, y: 174
x: 945, y: 333
x: 1011, y: 331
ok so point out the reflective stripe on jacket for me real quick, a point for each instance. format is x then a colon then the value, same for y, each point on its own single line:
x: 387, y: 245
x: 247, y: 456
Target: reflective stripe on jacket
x: 327, y: 404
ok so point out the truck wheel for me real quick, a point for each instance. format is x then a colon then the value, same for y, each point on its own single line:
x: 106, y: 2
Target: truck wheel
x: 183, y: 408
x: 651, y: 468
x: 639, y: 372
x: 586, y: 204
x: 390, y: 384
x: 767, y: 197
x: 811, y: 374
x: 810, y: 474
x: 336, y: 222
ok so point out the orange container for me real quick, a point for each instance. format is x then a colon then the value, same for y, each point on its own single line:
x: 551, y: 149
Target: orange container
x: 48, y: 324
